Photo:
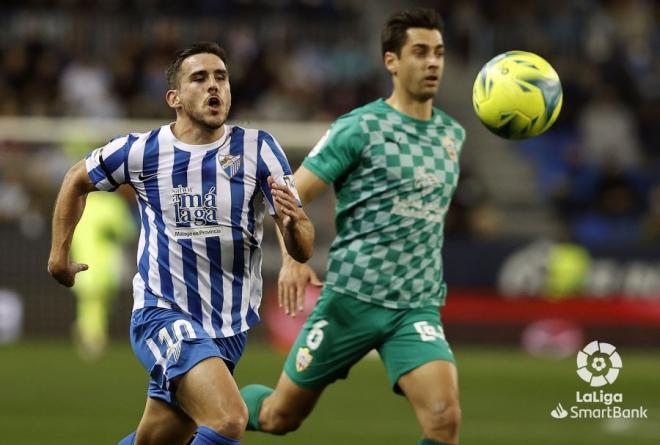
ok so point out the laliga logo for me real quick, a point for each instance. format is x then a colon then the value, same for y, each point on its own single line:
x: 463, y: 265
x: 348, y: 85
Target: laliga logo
x: 598, y: 364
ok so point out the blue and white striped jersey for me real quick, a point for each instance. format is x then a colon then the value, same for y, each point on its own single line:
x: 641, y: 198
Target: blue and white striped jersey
x: 202, y: 210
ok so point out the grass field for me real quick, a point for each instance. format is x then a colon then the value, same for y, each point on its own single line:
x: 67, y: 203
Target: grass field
x: 49, y: 397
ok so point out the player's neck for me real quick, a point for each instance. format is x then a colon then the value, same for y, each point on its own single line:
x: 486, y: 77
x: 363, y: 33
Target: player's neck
x: 190, y: 133
x: 411, y: 106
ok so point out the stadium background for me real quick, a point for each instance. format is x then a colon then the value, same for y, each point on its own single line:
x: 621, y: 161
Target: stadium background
x: 550, y: 243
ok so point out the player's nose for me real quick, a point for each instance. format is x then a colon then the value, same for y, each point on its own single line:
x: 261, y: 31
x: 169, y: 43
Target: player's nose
x: 433, y: 61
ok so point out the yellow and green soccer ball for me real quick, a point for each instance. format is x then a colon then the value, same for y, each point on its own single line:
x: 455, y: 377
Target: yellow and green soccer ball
x: 517, y: 95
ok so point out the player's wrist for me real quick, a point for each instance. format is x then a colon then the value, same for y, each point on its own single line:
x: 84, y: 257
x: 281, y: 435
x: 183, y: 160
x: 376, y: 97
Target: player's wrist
x: 288, y: 260
x: 58, y: 262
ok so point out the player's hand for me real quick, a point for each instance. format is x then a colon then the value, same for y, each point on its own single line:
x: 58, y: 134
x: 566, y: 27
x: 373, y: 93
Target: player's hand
x: 65, y: 274
x: 286, y: 205
x: 291, y: 285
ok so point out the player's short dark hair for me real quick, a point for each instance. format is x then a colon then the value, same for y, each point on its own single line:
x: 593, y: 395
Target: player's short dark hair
x: 173, y: 70
x: 394, y: 34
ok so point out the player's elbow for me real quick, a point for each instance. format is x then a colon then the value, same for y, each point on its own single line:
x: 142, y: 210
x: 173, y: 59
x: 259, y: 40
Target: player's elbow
x: 77, y: 179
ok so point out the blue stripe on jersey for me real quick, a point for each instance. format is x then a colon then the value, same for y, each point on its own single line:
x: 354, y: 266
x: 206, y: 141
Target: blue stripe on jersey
x: 209, y: 180
x: 277, y: 152
x: 143, y: 263
x: 180, y: 179
x: 97, y: 175
x: 237, y: 194
x: 115, y: 160
x: 150, y: 167
x: 262, y: 171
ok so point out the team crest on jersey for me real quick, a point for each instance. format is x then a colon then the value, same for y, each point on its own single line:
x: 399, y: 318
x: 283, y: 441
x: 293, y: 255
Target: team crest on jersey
x: 303, y: 359
x: 230, y: 164
x: 450, y: 146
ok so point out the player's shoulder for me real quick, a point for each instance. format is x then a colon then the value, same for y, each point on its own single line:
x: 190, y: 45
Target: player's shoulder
x: 443, y: 119
x: 129, y: 138
x: 357, y: 115
x: 249, y: 134
x: 355, y: 120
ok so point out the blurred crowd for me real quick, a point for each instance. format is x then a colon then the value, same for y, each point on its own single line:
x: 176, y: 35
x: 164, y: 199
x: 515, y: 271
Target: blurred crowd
x: 600, y: 164
x: 316, y: 59
x: 288, y: 60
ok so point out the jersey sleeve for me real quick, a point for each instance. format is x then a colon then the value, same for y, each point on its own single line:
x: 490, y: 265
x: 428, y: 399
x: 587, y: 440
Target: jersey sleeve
x: 273, y: 162
x: 107, y: 166
x: 338, y: 151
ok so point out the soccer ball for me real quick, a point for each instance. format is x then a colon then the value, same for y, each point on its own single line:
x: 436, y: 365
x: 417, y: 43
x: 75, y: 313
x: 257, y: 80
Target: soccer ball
x: 517, y: 95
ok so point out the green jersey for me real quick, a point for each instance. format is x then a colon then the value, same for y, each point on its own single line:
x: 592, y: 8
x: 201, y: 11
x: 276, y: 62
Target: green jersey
x: 394, y: 177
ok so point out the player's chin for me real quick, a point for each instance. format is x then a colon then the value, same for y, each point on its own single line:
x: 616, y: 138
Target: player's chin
x: 215, y: 121
x: 426, y: 94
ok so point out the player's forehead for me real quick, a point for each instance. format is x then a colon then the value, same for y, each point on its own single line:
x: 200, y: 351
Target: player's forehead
x: 202, y: 62
x: 423, y: 37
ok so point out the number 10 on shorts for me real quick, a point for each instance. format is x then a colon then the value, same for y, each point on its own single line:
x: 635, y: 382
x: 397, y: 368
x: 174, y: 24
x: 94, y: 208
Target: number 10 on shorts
x: 428, y: 332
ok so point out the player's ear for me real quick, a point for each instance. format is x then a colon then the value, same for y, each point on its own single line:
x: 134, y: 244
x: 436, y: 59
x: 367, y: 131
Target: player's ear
x: 391, y: 62
x: 172, y: 98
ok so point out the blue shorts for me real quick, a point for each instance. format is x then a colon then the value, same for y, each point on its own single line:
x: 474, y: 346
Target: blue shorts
x: 170, y: 343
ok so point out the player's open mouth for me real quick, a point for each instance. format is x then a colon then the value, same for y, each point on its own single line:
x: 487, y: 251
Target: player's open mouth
x: 431, y: 79
x: 213, y: 103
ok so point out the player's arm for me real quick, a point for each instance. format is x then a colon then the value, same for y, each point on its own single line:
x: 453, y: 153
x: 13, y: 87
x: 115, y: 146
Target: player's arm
x: 294, y: 276
x: 69, y: 208
x: 309, y: 185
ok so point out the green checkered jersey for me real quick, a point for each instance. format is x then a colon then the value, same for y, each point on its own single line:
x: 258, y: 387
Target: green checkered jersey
x: 394, y: 177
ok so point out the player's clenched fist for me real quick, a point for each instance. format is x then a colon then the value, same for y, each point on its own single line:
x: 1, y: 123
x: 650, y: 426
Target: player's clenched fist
x: 66, y: 274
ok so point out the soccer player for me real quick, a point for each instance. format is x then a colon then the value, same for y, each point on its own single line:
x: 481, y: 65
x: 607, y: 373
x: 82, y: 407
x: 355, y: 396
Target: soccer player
x: 394, y: 165
x: 202, y: 187
x: 105, y: 226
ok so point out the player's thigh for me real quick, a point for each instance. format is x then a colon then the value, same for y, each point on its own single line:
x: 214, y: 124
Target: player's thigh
x: 169, y: 343
x: 189, y: 369
x: 415, y: 339
x: 209, y: 395
x: 338, y: 333
x: 431, y: 387
x: 163, y: 424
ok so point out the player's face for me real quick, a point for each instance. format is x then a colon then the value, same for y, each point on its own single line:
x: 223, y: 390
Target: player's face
x: 421, y: 63
x: 204, y: 91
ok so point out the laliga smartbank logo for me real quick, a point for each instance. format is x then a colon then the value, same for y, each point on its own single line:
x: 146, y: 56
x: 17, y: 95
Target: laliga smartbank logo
x: 598, y: 364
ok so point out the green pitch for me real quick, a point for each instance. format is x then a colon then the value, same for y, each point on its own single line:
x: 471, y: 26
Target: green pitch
x: 49, y: 396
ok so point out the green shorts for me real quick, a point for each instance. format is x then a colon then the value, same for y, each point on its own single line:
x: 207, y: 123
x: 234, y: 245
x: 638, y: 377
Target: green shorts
x: 341, y: 330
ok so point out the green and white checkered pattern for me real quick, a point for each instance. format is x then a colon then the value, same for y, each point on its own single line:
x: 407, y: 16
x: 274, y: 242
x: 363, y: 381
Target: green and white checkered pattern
x: 392, y: 197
